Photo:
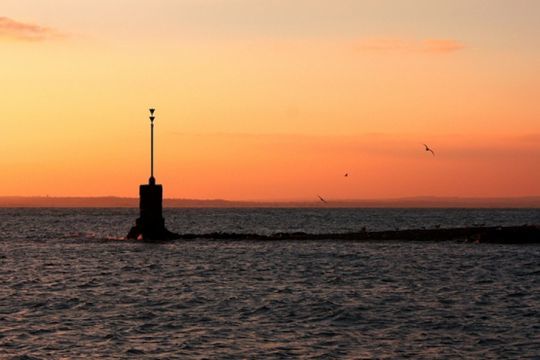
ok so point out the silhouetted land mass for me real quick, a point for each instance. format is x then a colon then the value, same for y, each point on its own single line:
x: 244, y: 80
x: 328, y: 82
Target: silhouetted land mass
x: 412, y: 202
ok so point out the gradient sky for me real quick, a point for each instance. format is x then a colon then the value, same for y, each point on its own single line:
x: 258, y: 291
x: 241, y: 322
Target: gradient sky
x: 271, y: 100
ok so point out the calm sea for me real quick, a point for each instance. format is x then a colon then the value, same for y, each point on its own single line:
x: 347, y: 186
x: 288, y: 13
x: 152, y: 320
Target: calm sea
x: 72, y: 288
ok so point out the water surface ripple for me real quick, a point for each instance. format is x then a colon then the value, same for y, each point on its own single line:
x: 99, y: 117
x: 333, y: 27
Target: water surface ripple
x: 73, y: 295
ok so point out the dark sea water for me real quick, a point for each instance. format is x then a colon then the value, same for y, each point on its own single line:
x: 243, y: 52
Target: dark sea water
x: 71, y: 288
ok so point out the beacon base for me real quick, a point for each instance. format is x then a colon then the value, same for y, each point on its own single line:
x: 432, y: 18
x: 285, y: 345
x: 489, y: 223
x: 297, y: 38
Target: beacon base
x: 150, y: 226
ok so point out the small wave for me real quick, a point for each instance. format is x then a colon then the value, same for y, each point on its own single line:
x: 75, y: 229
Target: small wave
x: 80, y: 235
x: 115, y: 238
x: 135, y: 352
x: 25, y: 357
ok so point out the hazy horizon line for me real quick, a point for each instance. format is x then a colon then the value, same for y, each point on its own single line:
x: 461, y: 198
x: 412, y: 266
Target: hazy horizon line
x: 40, y: 201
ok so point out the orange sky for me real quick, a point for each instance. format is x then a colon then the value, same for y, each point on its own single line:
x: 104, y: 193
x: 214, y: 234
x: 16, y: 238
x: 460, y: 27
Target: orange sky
x: 271, y: 102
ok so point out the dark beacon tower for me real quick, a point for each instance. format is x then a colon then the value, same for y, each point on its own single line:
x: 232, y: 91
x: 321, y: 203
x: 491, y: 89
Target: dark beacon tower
x: 150, y: 226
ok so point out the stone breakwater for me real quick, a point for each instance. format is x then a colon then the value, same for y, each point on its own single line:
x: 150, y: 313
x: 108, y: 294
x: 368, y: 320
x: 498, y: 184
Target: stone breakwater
x: 526, y: 234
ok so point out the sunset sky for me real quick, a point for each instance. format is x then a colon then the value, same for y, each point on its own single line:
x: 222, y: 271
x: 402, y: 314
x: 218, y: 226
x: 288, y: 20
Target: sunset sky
x: 271, y: 99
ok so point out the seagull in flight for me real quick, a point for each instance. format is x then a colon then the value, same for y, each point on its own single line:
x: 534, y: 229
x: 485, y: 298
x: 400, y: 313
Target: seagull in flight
x: 324, y: 201
x: 428, y: 149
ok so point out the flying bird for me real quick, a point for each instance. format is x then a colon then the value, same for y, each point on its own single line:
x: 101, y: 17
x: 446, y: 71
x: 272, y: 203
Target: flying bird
x: 428, y: 149
x: 346, y: 175
x: 324, y: 201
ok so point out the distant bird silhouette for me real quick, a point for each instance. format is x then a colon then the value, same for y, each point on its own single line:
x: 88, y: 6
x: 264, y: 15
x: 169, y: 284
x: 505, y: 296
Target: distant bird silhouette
x: 324, y: 201
x: 428, y: 149
x: 346, y: 175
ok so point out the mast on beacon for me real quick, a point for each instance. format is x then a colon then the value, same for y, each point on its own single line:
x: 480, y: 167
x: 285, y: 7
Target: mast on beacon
x: 152, y: 180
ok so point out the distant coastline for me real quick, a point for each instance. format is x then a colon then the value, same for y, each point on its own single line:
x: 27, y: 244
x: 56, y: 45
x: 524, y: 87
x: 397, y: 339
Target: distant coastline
x: 408, y: 202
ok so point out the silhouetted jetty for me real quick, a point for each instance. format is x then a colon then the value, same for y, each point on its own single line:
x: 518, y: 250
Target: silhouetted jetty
x: 150, y: 226
x: 526, y: 234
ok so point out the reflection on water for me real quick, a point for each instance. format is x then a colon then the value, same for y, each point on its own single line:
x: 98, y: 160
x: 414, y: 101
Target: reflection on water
x: 67, y: 293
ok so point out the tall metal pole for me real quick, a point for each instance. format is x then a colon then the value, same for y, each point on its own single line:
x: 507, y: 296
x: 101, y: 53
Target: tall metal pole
x: 152, y: 180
